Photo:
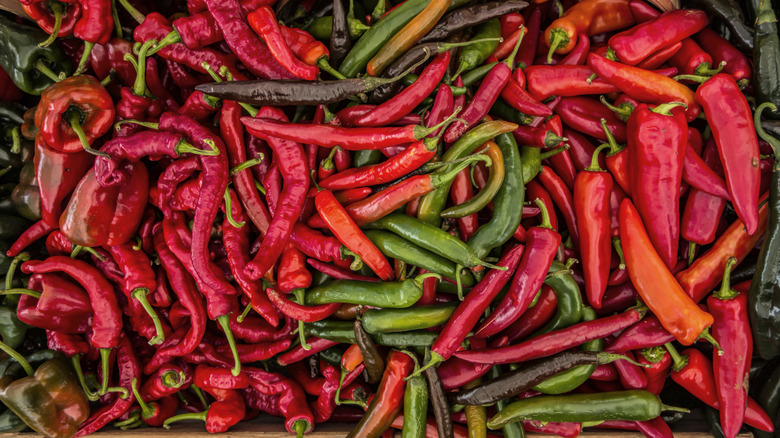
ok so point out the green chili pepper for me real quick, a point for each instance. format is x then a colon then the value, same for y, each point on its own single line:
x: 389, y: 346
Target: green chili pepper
x: 476, y: 416
x: 321, y: 27
x: 633, y: 405
x: 343, y: 332
x: 402, y: 320
x: 475, y: 54
x: 507, y: 212
x: 511, y: 429
x: 397, y: 294
x: 12, y: 226
x: 503, y: 111
x: 416, y: 338
x: 567, y: 291
x: 366, y: 157
x: 432, y: 204
x: 25, y: 61
x: 769, y: 399
x: 332, y: 355
x: 488, y: 192
x: 570, y: 379
x: 11, y: 329
x: 532, y: 162
x: 399, y: 248
x: 474, y: 76
x: 10, y: 422
x: 766, y: 56
x: 415, y: 406
x: 712, y: 418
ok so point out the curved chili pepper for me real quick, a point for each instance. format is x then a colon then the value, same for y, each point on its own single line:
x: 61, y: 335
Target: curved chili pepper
x: 660, y: 57
x: 57, y: 174
x: 584, y: 114
x: 700, y: 176
x: 640, y: 41
x: 298, y: 311
x: 563, y: 199
x: 721, y: 50
x: 591, y: 17
x: 647, y: 333
x: 263, y: 21
x: 536, y: 317
x: 545, y: 81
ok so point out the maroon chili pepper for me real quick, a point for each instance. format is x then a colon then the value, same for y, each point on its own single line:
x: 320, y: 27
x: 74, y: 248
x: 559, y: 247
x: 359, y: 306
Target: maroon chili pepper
x: 580, y: 52
x: 554, y: 341
x: 337, y: 272
x: 536, y: 191
x: 541, y: 246
x: 635, y: 44
x: 647, y: 333
x: 534, y: 16
x: 299, y: 311
x: 536, y: 317
x: 631, y: 376
x: 455, y: 373
x: 66, y: 343
x: 605, y: 373
x: 584, y: 114
x: 485, y: 96
x: 563, y: 199
x: 702, y: 211
x: 292, y: 165
x: 30, y: 235
x: 736, y: 63
x: 298, y: 353
x: 469, y: 311
x: 741, y: 165
x: 177, y: 172
x: 443, y: 106
x: 199, y: 106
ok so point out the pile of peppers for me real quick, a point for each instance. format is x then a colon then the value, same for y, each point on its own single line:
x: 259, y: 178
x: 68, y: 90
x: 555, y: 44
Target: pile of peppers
x: 441, y: 217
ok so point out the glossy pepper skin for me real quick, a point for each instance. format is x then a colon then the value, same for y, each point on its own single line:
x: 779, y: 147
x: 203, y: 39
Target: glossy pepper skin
x: 656, y: 148
x: 98, y: 216
x: 591, y: 17
x: 730, y: 118
x: 57, y: 173
x: 50, y: 400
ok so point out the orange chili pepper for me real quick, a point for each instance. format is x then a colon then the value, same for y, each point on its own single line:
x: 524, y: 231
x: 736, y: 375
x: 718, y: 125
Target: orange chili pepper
x: 591, y: 17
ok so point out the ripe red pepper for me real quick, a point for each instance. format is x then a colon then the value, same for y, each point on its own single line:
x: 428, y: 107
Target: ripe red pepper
x: 584, y: 114
x: 57, y: 18
x: 298, y: 311
x: 725, y: 106
x: 263, y: 21
x: 563, y: 199
x: 702, y: 211
x: 535, y: 318
x: 541, y: 246
x: 591, y: 17
x: 659, y: 365
x: 660, y: 57
x: 737, y: 64
x: 592, y: 189
x: 637, y: 43
x: 545, y: 81
x: 515, y: 94
x: 691, y: 59
x: 656, y: 135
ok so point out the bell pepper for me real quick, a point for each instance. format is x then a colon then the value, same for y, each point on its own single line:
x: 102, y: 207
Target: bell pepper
x: 25, y: 196
x: 79, y: 103
x: 55, y: 17
x: 100, y: 216
x: 49, y: 399
x: 32, y: 68
x: 11, y: 329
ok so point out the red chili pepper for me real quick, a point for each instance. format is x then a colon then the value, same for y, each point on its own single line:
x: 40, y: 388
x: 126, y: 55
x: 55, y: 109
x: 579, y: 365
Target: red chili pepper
x: 702, y: 211
x: 298, y: 416
x: 66, y: 343
x: 534, y: 15
x: 292, y: 270
x: 337, y: 272
x: 658, y: 371
x: 693, y: 371
x: 584, y: 114
x: 346, y: 230
x: 659, y: 58
x: 485, y: 96
x: 545, y: 81
x: 535, y: 318
x: 263, y: 21
x: 540, y: 137
x: 298, y: 311
x: 541, y: 246
x: 517, y: 97
x: 737, y: 64
x: 657, y: 134
x: 647, y: 333
x: 691, y: 59
x: 563, y: 199
x: 554, y: 341
x: 111, y: 56
x: 740, y: 164
x: 700, y: 176
x: 592, y: 17
x: 350, y: 114
x: 298, y: 353
x: 55, y: 17
x: 631, y: 376
x: 166, y: 381
x: 703, y: 275
x: 646, y: 86
x: 535, y: 191
x: 404, y: 102
x: 321, y: 247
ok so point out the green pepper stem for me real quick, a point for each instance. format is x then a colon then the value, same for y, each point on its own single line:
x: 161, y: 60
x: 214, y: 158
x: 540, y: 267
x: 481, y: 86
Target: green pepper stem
x: 619, y: 250
x: 75, y: 123
x: 337, y: 395
x: 247, y: 164
x: 545, y: 214
x: 691, y: 252
x: 434, y: 360
x: 131, y: 420
x: 623, y: 111
x: 146, y: 410
x: 172, y: 38
x: 229, y: 210
x: 679, y: 361
x: 327, y: 163
x: 105, y: 355
x: 459, y: 281
x: 56, y: 9
x: 615, y: 147
x: 774, y: 142
x: 372, y: 81
x: 140, y: 294
x: 558, y: 37
x: 301, y: 329
x: 674, y: 408
x: 510, y: 61
x: 726, y: 292
x: 666, y: 108
x: 186, y: 416
x: 135, y: 13
x: 173, y: 379
x: 16, y: 140
x: 608, y: 357
x: 9, y: 276
x: 245, y: 313
x: 259, y: 187
x: 705, y: 69
x: 43, y: 68
x: 200, y: 395
x: 547, y: 154
x: 378, y: 11
x: 705, y: 334
x: 300, y: 427
x: 357, y: 262
x: 185, y: 148
x: 594, y: 160
x: 82, y: 67
x: 117, y: 23
x: 654, y: 354
x: 323, y: 64
x: 420, y: 278
x: 17, y: 357
x: 148, y: 125
x: 692, y: 78
x: 139, y: 87
x: 76, y: 362
x: 21, y: 291
x: 224, y: 322
x: 437, y: 180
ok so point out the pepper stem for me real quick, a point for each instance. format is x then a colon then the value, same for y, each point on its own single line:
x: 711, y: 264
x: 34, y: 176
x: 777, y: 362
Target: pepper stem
x: 16, y: 140
x: 679, y: 361
x: 705, y: 69
x: 9, y: 276
x: 774, y: 142
x: 545, y: 214
x: 301, y: 329
x: 135, y: 13
x: 654, y: 354
x: 594, y: 160
x: 244, y: 314
x: 140, y: 294
x: 186, y: 416
x: 43, y: 68
x: 185, y: 148
x: 105, y: 355
x: 224, y: 71
x: 623, y: 111
x: 229, y: 210
x: 139, y: 87
x: 705, y: 334
x: 21, y: 291
x: 17, y: 357
x: 172, y: 38
x: 422, y: 277
x: 459, y: 281
x: 372, y: 82
x: 674, y: 408
x: 357, y: 262
x: 692, y: 78
x: 558, y: 37
x: 247, y: 164
x: 76, y: 362
x: 444, y: 178
x: 378, y: 11
x: 610, y: 138
x: 619, y: 250
x: 75, y: 123
x: 337, y: 395
x: 323, y: 64
x: 148, y: 125
x: 609, y: 357
x: 300, y: 427
x: 199, y: 394
x: 555, y: 151
x: 146, y: 410
x: 691, y: 252
x: 224, y: 322
x: 117, y: 23
x: 130, y: 422
x: 173, y: 379
x: 726, y: 292
x: 434, y: 360
x: 510, y: 61
x: 327, y: 163
x: 56, y: 9
x: 666, y: 108
x: 82, y: 67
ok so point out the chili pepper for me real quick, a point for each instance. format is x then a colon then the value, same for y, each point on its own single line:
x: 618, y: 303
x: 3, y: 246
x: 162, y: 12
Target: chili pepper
x: 545, y: 81
x: 561, y: 35
x: 631, y: 376
x: 658, y: 372
x: 340, y: 38
x: 635, y: 44
x: 702, y: 210
x: 660, y: 57
x: 693, y: 371
x: 400, y: 320
x: 399, y: 294
x: 469, y: 16
x: 515, y: 95
x: 691, y: 59
x: 415, y: 407
x: 563, y: 199
x: 227, y: 410
x: 687, y: 322
x: 737, y: 64
x: 732, y: 331
x: 263, y: 21
x: 554, y: 341
x: 541, y: 244
x: 537, y: 316
x: 635, y: 405
x: 66, y: 343
x: 321, y: 247
x: 644, y: 85
x: 372, y: 357
x: 54, y: 17
x: 700, y: 176
x: 337, y: 272
x: 647, y: 333
x: 299, y: 312
x: 484, y: 98
x: 299, y: 353
x: 292, y: 270
x: 489, y: 32
x: 25, y: 62
x: 532, y: 374
x: 704, y: 274
x: 584, y: 114
x: 57, y: 174
x: 658, y: 133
